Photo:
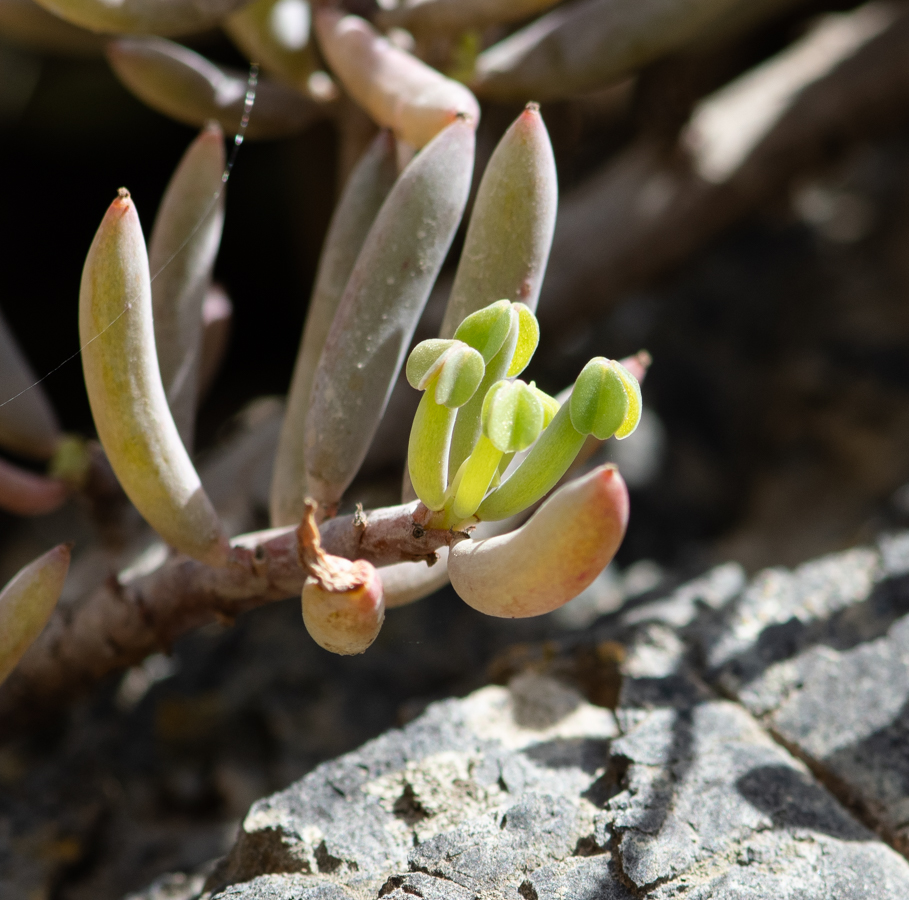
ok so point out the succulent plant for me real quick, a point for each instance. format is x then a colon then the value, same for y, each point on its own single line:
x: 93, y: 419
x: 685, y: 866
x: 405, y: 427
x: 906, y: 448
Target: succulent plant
x: 485, y: 446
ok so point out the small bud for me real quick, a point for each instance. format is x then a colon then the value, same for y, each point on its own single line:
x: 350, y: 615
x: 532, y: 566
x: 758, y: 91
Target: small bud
x: 460, y: 374
x: 512, y: 416
x: 451, y: 368
x: 486, y: 329
x: 343, y: 603
x: 599, y: 401
x: 510, y: 358
x: 567, y: 542
x: 424, y: 361
x: 539, y: 472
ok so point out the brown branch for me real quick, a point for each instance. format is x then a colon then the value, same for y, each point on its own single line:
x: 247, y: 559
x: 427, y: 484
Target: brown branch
x: 120, y: 623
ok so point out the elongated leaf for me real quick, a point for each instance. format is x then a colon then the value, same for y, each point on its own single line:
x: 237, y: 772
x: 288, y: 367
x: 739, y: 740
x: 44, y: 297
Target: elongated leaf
x: 458, y: 15
x: 182, y: 251
x: 27, y: 602
x: 127, y: 397
x: 181, y: 84
x: 26, y: 494
x: 383, y: 300
x: 398, y: 90
x: 366, y: 190
x: 589, y: 43
x: 28, y: 425
x: 143, y: 16
x: 567, y: 542
x: 511, y: 226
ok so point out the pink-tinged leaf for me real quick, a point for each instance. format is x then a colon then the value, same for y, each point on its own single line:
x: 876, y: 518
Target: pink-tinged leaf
x: 184, y: 85
x: 549, y: 560
x: 24, y: 493
x: 126, y: 394
x: 383, y: 300
x: 396, y: 89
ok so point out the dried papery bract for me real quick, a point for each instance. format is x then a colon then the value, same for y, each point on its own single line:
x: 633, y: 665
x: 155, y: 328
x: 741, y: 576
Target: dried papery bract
x: 277, y: 35
x: 27, y: 602
x: 181, y: 254
x: 458, y: 15
x: 511, y: 226
x: 589, y: 43
x: 378, y: 313
x: 28, y: 425
x: 143, y: 16
x: 360, y: 202
x: 181, y: 84
x: 343, y: 603
x: 24, y: 493
x: 127, y: 397
x: 397, y: 90
x: 548, y: 561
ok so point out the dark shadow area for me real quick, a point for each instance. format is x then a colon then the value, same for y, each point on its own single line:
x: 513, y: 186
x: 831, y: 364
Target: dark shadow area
x: 794, y: 800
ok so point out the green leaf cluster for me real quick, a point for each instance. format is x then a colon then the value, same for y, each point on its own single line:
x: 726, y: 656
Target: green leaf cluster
x: 476, y: 416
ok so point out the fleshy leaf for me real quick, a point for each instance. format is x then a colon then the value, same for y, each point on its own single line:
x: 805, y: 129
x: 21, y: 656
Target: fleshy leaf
x: 384, y: 298
x: 27, y: 602
x: 510, y: 232
x: 552, y: 558
x: 369, y: 184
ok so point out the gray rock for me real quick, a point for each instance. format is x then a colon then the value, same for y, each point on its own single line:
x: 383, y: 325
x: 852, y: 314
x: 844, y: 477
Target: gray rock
x: 577, y: 878
x: 494, y: 782
x: 533, y: 793
x: 832, y: 679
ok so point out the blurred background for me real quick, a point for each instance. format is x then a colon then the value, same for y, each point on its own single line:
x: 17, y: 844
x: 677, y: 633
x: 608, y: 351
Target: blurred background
x: 736, y: 204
